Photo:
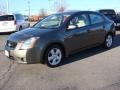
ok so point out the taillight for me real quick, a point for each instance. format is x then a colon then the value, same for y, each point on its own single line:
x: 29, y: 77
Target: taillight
x: 15, y: 22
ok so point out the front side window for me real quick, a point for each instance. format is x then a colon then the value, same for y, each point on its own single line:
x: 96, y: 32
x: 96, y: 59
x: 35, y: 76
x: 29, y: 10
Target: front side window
x: 95, y: 18
x: 79, y: 21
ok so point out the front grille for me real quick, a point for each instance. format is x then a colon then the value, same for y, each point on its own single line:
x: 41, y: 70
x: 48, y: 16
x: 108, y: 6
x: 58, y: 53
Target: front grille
x: 11, y: 44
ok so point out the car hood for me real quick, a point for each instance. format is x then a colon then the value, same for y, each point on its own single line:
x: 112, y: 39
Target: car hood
x: 28, y: 33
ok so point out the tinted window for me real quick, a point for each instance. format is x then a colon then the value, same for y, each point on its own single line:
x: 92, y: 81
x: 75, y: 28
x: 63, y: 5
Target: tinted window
x: 80, y: 20
x: 107, y: 12
x: 7, y: 18
x: 95, y: 18
x: 19, y: 17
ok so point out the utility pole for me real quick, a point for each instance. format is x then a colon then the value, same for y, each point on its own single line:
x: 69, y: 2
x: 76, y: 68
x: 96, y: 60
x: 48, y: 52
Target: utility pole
x: 29, y: 9
x: 49, y: 6
x: 8, y: 7
x: 49, y: 2
x: 60, y: 5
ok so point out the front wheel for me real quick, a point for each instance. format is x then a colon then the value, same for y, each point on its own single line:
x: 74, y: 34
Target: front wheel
x: 108, y: 41
x: 54, y: 56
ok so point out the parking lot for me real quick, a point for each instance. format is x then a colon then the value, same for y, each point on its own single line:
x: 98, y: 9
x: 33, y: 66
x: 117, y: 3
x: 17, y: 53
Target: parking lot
x: 93, y: 69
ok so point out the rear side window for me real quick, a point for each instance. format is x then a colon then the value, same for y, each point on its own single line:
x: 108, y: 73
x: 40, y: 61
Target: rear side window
x: 7, y: 18
x: 96, y: 18
x: 19, y: 17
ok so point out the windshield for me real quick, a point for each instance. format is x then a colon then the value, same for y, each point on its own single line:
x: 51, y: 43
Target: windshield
x: 52, y: 21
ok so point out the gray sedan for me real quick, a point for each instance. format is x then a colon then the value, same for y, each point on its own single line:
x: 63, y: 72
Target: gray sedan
x: 59, y: 35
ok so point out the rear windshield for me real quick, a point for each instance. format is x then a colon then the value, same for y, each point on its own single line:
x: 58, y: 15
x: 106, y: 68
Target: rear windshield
x: 110, y: 12
x: 7, y: 18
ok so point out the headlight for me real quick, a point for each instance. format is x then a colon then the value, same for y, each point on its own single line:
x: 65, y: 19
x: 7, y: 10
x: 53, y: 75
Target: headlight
x: 27, y: 43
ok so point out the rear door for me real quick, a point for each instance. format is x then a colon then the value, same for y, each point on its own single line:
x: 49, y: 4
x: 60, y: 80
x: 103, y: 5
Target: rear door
x: 7, y: 22
x: 96, y: 28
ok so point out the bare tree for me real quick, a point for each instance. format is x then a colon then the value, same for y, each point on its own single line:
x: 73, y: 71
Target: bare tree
x: 2, y: 8
x: 42, y: 13
x: 62, y: 9
x: 60, y: 5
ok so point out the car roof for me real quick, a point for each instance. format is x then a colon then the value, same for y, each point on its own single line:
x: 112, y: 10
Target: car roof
x: 77, y: 11
x: 6, y: 15
x: 11, y: 14
x: 106, y: 10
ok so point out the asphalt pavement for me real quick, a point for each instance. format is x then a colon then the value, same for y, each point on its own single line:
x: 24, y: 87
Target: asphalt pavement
x: 93, y: 69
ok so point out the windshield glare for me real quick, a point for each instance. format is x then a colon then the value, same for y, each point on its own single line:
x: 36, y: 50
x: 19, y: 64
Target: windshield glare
x: 53, y: 21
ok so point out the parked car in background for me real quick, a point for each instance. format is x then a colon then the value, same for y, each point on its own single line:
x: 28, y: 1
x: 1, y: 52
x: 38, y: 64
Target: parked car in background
x: 12, y: 23
x: 111, y: 14
x: 60, y: 35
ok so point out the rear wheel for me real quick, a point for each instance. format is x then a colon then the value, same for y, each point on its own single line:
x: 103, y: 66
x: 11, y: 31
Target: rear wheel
x: 20, y: 28
x: 54, y: 56
x: 108, y: 41
x: 29, y: 25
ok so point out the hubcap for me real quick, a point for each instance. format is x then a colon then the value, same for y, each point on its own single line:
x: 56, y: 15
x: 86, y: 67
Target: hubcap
x: 54, y: 56
x: 109, y: 41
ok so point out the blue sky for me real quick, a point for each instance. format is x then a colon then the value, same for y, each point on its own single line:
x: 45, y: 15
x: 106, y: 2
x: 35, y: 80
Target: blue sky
x: 21, y: 6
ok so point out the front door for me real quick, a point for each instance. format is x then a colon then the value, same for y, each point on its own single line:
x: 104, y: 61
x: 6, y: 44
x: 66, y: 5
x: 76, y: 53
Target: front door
x: 78, y: 37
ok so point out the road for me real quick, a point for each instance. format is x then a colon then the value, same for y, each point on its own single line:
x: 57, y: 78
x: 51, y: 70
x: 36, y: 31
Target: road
x: 93, y: 69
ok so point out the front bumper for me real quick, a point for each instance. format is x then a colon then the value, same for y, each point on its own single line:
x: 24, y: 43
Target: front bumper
x: 29, y: 56
x: 17, y: 55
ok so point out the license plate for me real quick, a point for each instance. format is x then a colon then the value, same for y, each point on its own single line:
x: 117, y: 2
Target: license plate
x: 7, y: 53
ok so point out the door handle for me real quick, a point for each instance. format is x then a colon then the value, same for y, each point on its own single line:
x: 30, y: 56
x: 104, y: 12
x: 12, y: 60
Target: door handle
x: 103, y: 26
x: 70, y: 36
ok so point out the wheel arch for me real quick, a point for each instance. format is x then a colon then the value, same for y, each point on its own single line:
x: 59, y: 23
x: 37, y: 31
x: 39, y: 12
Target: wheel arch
x: 110, y: 33
x: 51, y: 44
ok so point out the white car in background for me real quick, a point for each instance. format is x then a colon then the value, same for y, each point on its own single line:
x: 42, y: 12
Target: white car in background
x: 13, y: 23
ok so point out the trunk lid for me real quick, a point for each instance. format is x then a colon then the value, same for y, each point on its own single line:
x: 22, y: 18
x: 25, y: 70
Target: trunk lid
x: 7, y: 22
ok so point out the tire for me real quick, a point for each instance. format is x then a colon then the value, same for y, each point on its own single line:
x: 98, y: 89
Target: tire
x: 20, y: 28
x: 108, y: 41
x: 54, y: 56
x: 28, y: 26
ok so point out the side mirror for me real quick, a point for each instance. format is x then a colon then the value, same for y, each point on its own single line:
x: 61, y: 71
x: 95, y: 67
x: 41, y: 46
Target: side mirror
x: 26, y: 19
x: 71, y: 27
